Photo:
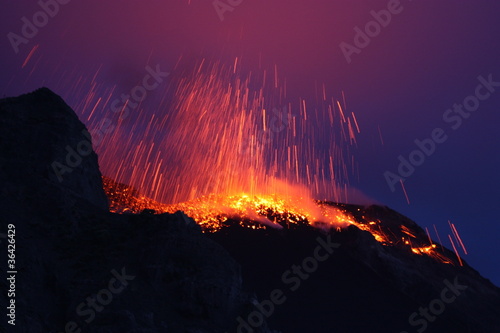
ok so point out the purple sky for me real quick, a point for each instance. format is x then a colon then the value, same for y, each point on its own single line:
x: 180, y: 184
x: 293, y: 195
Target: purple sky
x: 423, y: 62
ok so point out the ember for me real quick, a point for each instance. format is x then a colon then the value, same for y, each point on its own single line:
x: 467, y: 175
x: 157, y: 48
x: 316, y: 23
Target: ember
x: 225, y: 152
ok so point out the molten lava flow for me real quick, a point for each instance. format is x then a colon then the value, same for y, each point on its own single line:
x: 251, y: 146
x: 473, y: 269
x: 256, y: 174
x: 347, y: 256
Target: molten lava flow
x: 214, y: 212
x: 222, y: 150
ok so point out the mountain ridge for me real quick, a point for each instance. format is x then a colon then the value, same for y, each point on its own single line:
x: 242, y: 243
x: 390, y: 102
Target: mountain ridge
x: 70, y: 247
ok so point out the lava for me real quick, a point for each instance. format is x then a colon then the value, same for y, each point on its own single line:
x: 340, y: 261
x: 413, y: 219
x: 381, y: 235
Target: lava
x: 227, y: 147
x: 217, y: 130
x: 214, y: 212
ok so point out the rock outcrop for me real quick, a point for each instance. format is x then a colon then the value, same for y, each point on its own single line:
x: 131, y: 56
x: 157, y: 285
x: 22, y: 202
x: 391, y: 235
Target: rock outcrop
x: 80, y: 267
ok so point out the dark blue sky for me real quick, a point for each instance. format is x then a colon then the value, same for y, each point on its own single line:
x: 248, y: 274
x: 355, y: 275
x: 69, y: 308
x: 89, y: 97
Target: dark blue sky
x: 426, y: 59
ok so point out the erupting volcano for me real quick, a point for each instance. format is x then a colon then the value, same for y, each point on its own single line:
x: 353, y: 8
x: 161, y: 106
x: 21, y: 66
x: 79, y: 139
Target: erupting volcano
x: 231, y: 148
x: 254, y: 225
x: 232, y: 166
x: 226, y: 133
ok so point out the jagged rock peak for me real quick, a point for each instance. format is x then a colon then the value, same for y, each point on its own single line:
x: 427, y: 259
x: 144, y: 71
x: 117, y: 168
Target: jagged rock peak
x: 43, y: 143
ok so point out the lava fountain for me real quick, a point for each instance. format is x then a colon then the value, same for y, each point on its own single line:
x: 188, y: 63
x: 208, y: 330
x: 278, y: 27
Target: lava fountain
x: 232, y: 143
x: 224, y: 146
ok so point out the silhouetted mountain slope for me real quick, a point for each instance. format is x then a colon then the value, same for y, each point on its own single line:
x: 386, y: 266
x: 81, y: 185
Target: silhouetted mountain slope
x: 81, y: 267
x: 362, y: 287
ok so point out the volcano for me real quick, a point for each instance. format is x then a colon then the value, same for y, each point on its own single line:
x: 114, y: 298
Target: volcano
x: 96, y: 255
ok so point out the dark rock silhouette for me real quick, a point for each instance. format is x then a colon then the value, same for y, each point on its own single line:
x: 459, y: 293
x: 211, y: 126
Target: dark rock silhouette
x: 41, y: 134
x: 363, y: 286
x: 69, y: 247
x: 84, y: 269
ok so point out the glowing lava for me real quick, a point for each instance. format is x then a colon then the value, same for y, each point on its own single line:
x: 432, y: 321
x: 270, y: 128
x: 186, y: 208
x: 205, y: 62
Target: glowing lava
x: 214, y: 212
x: 221, y: 150
x: 213, y: 132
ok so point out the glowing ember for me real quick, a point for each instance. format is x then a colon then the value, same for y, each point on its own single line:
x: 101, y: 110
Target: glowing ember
x: 214, y: 212
x: 225, y: 152
x: 214, y: 133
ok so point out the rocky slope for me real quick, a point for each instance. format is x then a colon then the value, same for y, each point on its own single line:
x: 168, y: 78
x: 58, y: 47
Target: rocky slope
x: 363, y: 286
x: 84, y: 269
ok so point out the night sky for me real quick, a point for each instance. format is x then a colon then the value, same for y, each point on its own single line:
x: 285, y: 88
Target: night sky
x: 399, y: 83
